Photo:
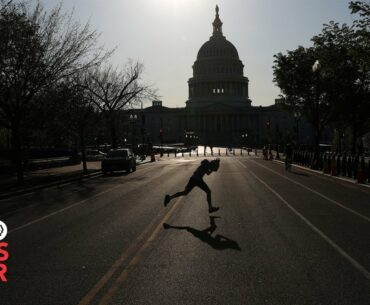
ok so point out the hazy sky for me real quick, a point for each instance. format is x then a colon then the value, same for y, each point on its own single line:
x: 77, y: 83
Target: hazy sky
x: 165, y: 35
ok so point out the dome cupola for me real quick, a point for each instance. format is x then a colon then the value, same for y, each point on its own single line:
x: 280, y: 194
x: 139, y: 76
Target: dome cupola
x: 217, y: 24
x: 217, y: 45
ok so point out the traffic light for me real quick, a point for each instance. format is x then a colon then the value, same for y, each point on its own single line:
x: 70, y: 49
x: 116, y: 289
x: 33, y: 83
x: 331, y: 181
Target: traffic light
x: 268, y: 124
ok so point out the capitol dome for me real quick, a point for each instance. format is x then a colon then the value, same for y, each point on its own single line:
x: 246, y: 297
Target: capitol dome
x: 218, y: 72
x: 217, y: 46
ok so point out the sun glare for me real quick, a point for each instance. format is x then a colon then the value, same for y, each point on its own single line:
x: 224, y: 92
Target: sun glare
x: 177, y: 6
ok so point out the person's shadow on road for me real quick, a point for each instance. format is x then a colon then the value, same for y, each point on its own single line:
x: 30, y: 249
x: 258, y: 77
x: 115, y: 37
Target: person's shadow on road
x: 218, y: 242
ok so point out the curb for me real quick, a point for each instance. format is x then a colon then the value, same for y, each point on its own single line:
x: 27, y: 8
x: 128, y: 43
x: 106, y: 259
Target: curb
x: 352, y: 181
x: 58, y: 182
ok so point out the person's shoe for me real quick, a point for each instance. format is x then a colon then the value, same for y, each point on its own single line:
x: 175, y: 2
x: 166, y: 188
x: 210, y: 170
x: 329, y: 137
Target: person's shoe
x: 167, y: 199
x: 213, y: 209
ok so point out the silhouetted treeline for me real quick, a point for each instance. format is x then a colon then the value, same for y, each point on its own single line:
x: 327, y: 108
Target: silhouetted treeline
x: 56, y: 87
x: 329, y: 82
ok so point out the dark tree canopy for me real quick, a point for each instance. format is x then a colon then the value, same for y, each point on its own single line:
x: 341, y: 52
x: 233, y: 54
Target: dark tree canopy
x: 337, y: 94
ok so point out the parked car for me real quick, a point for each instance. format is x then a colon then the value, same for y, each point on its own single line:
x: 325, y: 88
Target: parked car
x: 94, y: 155
x: 119, y: 159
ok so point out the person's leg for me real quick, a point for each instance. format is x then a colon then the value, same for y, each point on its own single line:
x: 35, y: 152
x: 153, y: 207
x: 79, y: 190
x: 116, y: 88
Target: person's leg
x: 213, y: 226
x: 182, y: 193
x: 186, y: 191
x: 202, y: 185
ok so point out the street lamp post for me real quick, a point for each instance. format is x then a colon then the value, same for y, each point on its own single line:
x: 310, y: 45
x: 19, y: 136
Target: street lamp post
x: 340, y: 134
x: 244, y: 140
x: 297, y: 117
x: 316, y: 70
x: 133, y: 118
x: 142, y: 131
x: 356, y: 146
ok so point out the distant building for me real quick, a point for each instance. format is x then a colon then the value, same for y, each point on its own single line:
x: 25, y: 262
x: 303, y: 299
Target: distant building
x: 218, y: 111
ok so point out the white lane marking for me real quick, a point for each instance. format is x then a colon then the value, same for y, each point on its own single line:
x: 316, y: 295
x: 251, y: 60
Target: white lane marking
x: 66, y: 208
x: 316, y: 192
x: 62, y: 184
x: 61, y: 210
x: 343, y: 253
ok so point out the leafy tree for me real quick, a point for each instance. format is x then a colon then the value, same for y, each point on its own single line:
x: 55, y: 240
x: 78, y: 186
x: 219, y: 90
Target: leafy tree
x: 346, y: 52
x: 302, y: 90
x: 362, y: 28
x: 339, y: 93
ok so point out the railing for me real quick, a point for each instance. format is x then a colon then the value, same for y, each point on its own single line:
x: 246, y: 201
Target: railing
x: 215, y: 152
x: 355, y: 167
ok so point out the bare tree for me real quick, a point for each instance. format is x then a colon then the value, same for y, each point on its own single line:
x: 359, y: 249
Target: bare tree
x: 113, y: 90
x: 38, y: 49
x: 4, y: 4
x: 74, y: 110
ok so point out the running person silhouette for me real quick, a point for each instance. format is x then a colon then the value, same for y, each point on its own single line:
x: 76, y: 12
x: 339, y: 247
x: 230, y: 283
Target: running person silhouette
x: 206, y: 167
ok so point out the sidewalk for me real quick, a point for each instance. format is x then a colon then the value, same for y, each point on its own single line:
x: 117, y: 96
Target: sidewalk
x: 40, y: 179
x: 319, y: 172
x: 45, y: 177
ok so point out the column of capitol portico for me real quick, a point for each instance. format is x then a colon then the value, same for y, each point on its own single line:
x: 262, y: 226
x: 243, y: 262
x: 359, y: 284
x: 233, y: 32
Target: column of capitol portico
x: 214, y: 123
x: 200, y: 123
x: 205, y: 123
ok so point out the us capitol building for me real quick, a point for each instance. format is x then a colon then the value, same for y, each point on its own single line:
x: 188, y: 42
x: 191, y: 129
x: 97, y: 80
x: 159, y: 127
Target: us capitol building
x: 218, y: 111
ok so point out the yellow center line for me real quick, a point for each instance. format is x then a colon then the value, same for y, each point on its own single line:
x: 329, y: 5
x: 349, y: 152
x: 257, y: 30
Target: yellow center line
x: 89, y: 297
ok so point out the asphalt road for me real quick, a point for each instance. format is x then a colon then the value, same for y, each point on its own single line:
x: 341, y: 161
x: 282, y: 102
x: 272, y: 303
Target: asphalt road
x: 278, y: 238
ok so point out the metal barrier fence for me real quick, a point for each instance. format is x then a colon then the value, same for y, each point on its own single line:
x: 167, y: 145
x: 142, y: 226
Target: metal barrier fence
x: 356, y: 167
x: 213, y: 153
